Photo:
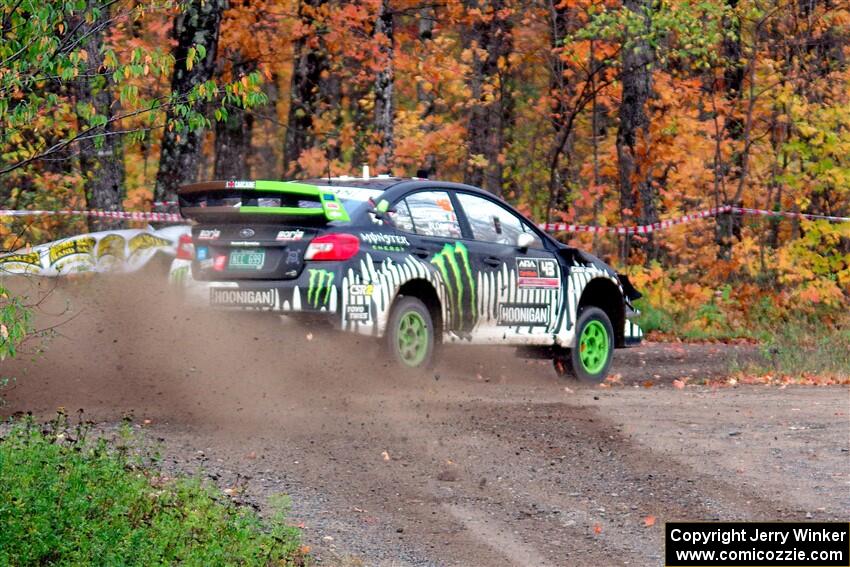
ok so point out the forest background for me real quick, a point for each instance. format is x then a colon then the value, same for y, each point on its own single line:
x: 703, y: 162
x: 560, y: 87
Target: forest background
x: 600, y: 112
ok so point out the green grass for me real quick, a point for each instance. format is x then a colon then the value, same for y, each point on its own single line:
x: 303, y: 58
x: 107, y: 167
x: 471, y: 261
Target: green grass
x: 67, y: 500
x: 805, y: 348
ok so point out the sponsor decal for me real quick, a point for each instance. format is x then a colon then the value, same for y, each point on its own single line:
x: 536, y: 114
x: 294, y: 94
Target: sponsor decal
x: 145, y: 241
x: 537, y: 273
x: 111, y: 245
x: 28, y: 258
x: 453, y: 264
x: 361, y: 289
x: 357, y: 313
x: 179, y: 275
x: 527, y: 267
x: 242, y: 297
x: 292, y: 257
x: 220, y: 263
x: 289, y: 235
x: 385, y: 239
x: 202, y: 253
x: 244, y: 243
x: 246, y: 232
x: 209, y: 234
x: 319, y: 287
x: 386, y: 242
x: 240, y: 184
x: 523, y: 315
x: 70, y: 247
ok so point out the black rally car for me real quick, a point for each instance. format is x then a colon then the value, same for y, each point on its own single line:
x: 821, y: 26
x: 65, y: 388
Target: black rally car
x: 417, y: 262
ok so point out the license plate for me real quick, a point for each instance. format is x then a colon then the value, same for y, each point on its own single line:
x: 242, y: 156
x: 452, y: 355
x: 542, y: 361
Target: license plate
x: 246, y: 259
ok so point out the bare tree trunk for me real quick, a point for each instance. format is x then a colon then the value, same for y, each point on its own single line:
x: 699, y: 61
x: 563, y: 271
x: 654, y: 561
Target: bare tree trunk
x: 425, y: 97
x: 310, y: 63
x: 101, y: 163
x: 198, y: 24
x: 561, y: 91
x: 384, y: 107
x: 729, y: 225
x: 233, y: 145
x: 233, y: 136
x: 490, y: 113
x: 636, y: 78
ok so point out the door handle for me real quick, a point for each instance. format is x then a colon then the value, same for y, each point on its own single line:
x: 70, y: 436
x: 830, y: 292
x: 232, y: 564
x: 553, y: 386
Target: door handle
x: 492, y: 261
x: 420, y: 252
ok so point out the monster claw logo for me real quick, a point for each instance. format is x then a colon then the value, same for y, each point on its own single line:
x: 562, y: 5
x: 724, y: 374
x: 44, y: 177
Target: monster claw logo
x: 453, y: 263
x: 319, y: 287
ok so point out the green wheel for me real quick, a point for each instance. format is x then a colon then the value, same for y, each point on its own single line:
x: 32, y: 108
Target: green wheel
x: 591, y: 358
x: 410, y: 333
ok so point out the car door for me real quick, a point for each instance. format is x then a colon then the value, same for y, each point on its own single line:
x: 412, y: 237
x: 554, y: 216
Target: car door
x: 519, y: 290
x: 430, y: 216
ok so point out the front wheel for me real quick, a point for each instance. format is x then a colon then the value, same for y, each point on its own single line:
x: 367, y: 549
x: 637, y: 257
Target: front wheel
x: 410, y: 333
x: 590, y: 359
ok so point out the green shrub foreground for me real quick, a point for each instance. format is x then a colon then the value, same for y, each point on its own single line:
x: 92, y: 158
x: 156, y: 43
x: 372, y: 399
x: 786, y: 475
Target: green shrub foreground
x: 66, y: 500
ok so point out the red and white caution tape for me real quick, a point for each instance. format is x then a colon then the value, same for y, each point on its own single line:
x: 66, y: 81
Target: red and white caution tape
x: 125, y: 215
x: 649, y: 228
x: 762, y: 212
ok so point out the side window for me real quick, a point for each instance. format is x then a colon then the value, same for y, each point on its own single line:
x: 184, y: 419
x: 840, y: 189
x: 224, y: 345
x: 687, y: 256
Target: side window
x: 430, y: 213
x: 401, y: 217
x: 491, y: 222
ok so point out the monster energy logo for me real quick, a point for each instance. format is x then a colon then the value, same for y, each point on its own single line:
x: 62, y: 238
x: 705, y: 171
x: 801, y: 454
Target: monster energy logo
x: 320, y: 281
x: 453, y: 263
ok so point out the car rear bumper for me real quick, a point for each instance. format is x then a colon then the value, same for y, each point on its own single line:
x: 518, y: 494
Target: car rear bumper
x: 315, y: 292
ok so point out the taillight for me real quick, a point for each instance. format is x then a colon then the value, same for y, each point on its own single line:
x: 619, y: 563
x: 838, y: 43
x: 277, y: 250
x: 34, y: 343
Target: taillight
x: 333, y: 247
x: 185, y: 248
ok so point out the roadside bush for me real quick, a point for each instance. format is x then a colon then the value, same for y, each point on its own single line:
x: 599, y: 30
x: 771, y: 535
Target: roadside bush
x: 15, y: 323
x: 67, y: 500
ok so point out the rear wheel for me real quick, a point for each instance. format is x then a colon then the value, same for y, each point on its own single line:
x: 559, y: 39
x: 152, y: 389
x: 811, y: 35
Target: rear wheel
x: 591, y: 358
x: 410, y: 333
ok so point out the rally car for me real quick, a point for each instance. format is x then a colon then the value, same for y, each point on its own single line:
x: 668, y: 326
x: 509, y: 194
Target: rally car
x: 415, y: 262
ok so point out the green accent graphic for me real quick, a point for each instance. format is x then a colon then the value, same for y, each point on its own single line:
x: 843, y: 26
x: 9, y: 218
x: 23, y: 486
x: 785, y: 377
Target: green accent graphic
x: 412, y: 338
x: 593, y: 347
x: 320, y: 281
x: 453, y: 263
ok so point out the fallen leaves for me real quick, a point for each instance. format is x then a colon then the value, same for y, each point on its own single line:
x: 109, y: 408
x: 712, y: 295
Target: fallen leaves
x: 597, y: 528
x: 649, y: 521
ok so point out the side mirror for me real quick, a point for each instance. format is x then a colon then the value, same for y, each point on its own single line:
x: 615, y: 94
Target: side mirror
x: 524, y: 240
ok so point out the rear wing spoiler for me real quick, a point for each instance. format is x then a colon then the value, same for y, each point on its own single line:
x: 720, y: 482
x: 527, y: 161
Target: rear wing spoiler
x: 240, y: 201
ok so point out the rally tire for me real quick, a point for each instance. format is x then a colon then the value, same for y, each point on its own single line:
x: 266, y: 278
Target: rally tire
x: 591, y: 358
x: 410, y: 333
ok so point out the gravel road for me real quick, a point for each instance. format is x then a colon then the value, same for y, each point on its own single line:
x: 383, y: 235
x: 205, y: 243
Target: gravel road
x: 487, y: 460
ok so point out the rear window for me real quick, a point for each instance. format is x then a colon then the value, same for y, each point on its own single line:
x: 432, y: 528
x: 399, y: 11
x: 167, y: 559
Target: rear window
x: 353, y: 198
x: 249, y: 198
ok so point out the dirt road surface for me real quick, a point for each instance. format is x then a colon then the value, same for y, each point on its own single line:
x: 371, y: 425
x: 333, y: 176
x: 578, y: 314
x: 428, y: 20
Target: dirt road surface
x: 487, y: 460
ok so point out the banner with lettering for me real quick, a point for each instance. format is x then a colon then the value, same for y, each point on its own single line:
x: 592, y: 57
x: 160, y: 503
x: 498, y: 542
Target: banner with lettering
x: 107, y: 251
